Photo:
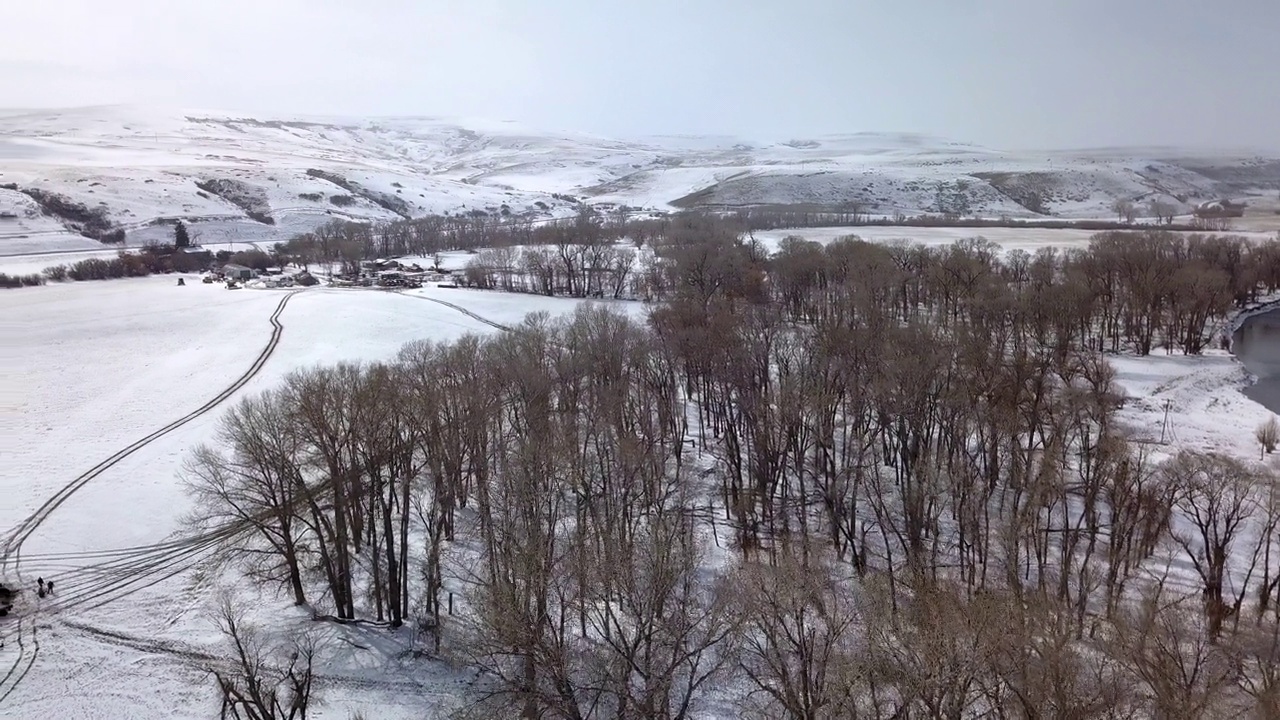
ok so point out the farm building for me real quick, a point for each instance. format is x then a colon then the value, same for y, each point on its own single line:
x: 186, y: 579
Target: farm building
x: 1220, y: 209
x: 237, y: 272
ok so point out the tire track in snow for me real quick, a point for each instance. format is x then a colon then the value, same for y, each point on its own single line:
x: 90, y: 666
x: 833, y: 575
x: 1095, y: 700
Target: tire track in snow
x: 23, y: 655
x: 202, y: 658
x: 12, y: 550
x: 459, y: 308
x: 13, y: 543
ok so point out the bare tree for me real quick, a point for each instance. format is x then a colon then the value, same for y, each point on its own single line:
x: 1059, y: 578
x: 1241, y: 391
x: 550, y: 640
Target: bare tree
x: 256, y: 484
x: 932, y: 658
x: 800, y: 639
x: 1043, y: 669
x: 1163, y: 211
x: 1216, y: 496
x: 1178, y: 672
x: 1124, y: 209
x: 261, y: 682
x: 1268, y: 434
x: 1257, y: 655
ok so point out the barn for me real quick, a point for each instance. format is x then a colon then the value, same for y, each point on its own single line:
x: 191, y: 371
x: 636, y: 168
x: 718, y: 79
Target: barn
x: 1220, y: 209
x: 237, y: 272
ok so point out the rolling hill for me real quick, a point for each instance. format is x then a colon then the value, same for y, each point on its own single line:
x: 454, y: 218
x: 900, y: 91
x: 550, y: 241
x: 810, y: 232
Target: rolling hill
x: 70, y: 176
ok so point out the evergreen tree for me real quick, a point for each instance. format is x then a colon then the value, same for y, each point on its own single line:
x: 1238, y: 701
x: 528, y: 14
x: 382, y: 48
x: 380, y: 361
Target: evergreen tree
x: 180, y: 237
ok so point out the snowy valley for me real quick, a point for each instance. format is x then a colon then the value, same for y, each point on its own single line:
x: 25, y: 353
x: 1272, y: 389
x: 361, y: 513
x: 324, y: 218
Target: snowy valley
x: 754, y: 423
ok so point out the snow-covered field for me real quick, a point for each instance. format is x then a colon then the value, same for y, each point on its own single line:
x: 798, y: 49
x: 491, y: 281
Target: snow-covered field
x: 89, y: 368
x: 273, y: 177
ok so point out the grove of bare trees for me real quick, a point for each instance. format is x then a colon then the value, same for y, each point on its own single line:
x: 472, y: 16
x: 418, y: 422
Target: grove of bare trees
x: 840, y: 481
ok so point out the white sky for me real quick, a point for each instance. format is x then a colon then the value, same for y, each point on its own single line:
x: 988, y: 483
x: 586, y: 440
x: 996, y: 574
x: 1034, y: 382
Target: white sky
x: 1006, y: 73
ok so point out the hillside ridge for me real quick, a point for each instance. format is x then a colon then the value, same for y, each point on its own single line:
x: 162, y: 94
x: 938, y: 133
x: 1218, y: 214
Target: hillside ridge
x: 274, y: 176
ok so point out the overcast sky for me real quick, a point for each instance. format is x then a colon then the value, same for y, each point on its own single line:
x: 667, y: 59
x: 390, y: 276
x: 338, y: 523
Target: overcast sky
x: 1005, y: 73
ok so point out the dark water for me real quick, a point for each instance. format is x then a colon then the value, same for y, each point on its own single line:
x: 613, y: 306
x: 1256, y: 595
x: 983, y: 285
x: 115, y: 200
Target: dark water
x: 1257, y: 344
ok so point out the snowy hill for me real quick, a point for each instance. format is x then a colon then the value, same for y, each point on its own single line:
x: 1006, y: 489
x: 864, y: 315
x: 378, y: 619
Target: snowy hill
x: 68, y: 173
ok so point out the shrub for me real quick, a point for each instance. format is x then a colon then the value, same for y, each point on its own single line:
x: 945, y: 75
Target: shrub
x: 342, y: 200
x: 113, y: 237
x: 251, y: 199
x: 389, y: 202
x: 57, y: 273
x: 124, y: 265
x: 17, y: 281
x: 91, y: 222
x: 312, y: 196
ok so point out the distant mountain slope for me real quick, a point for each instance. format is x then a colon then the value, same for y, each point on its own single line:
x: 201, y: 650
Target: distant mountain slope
x: 237, y: 177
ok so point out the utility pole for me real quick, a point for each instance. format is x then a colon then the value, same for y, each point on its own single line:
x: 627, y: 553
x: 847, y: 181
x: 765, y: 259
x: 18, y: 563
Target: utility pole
x: 1164, y: 427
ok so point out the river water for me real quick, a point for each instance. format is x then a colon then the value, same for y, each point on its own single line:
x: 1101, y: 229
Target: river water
x: 1257, y: 344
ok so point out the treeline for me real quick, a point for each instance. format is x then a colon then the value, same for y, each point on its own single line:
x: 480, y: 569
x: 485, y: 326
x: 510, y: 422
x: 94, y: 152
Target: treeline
x: 845, y: 481
x: 604, y: 266
x: 347, y: 243
x: 1126, y: 290
x: 150, y: 260
x: 581, y: 271
x: 776, y: 217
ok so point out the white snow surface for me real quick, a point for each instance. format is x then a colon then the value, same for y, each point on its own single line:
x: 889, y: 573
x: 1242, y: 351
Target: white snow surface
x: 141, y: 166
x: 88, y: 368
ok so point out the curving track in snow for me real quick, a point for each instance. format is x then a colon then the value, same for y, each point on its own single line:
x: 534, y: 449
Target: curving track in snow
x: 459, y: 308
x: 170, y: 558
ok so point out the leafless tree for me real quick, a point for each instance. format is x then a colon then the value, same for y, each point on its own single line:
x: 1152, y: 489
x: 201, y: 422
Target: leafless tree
x: 1216, y: 496
x: 801, y: 639
x: 1178, y: 672
x: 259, y: 681
x: 932, y: 657
x: 256, y: 484
x: 1268, y: 434
x: 1125, y: 210
x: 1163, y: 211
